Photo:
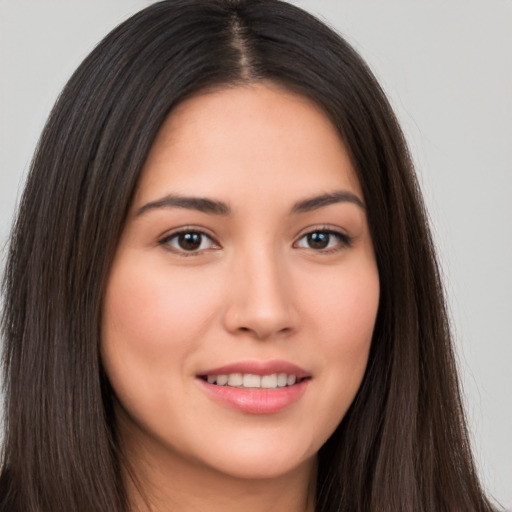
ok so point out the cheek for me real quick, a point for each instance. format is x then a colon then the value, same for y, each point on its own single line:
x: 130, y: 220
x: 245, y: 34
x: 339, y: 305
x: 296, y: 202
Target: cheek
x: 342, y: 320
x: 344, y: 308
x: 152, y: 320
x: 353, y: 311
x: 155, y: 307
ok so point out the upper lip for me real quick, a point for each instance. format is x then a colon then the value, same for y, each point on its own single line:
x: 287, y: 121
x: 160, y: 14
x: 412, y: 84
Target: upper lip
x: 258, y: 368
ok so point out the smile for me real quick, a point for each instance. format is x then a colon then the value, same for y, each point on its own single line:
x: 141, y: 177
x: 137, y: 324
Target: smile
x: 255, y: 387
x: 250, y: 380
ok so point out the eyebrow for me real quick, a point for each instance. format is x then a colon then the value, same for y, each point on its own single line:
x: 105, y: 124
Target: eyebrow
x: 316, y: 202
x: 201, y: 204
x: 215, y: 207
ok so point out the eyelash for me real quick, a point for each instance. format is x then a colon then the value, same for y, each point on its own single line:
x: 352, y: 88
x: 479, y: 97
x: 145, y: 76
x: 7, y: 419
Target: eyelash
x: 165, y: 241
x: 343, y: 242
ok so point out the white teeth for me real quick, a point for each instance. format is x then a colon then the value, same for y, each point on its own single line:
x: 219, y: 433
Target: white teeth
x: 269, y: 381
x: 222, y: 380
x: 282, y: 379
x: 235, y: 379
x: 290, y: 381
x: 249, y: 380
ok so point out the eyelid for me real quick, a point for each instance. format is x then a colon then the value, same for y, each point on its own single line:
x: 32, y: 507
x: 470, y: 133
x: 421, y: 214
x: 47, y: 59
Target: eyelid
x: 345, y: 239
x: 169, y: 235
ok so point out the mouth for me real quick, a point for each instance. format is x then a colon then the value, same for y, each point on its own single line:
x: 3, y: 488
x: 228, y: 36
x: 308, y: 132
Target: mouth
x: 253, y: 381
x: 256, y: 387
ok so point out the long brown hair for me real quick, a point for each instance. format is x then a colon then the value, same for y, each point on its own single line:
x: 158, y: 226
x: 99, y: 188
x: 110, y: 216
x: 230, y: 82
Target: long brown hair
x: 403, y: 444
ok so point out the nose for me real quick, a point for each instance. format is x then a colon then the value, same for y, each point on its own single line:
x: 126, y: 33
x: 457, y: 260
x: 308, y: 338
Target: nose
x: 261, y: 302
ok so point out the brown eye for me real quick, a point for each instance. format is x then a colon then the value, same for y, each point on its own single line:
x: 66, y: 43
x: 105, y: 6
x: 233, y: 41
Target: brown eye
x: 318, y: 240
x: 323, y: 240
x: 188, y: 242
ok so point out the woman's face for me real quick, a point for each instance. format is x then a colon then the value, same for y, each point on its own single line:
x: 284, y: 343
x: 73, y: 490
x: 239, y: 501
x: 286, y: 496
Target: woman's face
x: 241, y: 302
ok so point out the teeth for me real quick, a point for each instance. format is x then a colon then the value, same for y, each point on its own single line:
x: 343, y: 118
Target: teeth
x: 269, y: 381
x: 282, y: 379
x: 235, y: 379
x: 291, y: 379
x: 249, y: 380
x: 222, y: 380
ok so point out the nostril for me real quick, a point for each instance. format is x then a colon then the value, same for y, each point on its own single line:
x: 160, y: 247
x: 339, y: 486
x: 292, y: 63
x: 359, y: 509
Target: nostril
x: 264, y: 332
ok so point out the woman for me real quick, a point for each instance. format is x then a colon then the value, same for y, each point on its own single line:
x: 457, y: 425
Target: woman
x: 221, y: 291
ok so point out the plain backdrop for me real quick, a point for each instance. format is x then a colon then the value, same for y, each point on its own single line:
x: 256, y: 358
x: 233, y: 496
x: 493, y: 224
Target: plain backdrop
x: 447, y: 68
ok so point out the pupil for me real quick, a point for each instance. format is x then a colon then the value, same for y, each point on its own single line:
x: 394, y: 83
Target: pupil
x: 189, y: 241
x: 318, y: 240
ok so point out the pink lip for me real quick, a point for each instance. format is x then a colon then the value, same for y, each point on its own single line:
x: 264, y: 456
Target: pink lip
x: 258, y: 368
x: 257, y: 400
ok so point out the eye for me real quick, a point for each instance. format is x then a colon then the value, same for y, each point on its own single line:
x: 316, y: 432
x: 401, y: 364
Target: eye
x: 323, y: 240
x: 189, y: 241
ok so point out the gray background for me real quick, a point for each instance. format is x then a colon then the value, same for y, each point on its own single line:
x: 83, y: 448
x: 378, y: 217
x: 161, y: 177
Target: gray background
x: 447, y: 68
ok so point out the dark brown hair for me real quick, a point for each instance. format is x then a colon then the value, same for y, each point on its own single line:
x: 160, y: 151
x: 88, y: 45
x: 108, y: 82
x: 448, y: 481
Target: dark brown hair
x: 403, y: 444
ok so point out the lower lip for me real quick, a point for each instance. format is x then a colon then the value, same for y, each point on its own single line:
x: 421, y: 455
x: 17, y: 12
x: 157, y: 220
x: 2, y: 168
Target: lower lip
x: 256, y: 400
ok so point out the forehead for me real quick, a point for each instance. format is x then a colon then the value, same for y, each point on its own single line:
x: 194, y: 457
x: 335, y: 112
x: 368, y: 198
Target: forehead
x: 256, y: 139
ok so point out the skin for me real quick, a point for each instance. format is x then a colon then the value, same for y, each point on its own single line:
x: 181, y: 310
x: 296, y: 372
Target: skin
x: 255, y: 289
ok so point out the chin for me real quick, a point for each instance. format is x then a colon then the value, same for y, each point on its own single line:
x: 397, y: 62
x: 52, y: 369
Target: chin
x: 265, y: 468
x: 263, y: 460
